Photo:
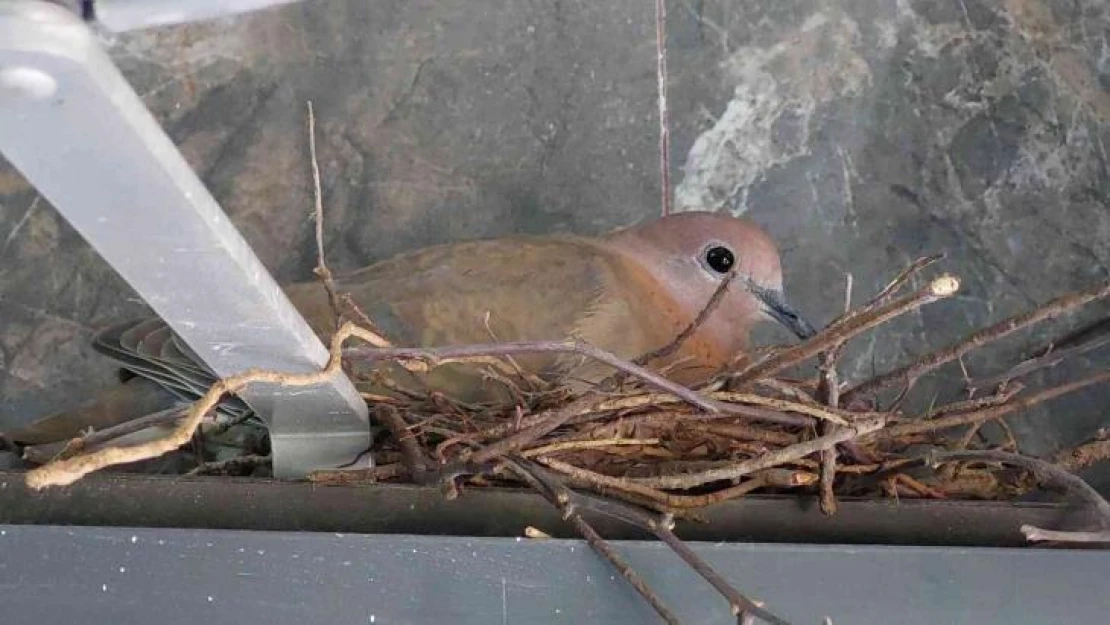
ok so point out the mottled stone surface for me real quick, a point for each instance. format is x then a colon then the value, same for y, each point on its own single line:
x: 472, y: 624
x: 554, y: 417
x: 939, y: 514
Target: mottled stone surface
x: 861, y: 133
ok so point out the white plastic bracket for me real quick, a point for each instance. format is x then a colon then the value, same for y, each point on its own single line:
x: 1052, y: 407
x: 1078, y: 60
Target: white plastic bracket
x: 71, y: 123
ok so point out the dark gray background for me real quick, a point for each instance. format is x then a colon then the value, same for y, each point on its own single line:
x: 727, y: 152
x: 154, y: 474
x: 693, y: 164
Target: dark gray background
x: 860, y: 133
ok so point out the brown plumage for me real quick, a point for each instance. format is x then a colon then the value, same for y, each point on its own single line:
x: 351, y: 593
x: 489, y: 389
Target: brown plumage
x: 629, y: 292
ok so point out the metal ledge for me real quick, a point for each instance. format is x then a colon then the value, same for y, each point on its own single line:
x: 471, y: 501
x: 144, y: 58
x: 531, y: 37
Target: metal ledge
x: 256, y: 504
x: 130, y: 576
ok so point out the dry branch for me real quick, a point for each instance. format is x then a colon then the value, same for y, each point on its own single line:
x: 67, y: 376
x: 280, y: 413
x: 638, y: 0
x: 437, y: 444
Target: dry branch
x: 910, y: 373
x: 942, y: 287
x: 993, y: 412
x: 782, y: 456
x: 1085, y: 455
x: 1035, y: 534
x: 69, y: 470
x: 1053, y: 356
x: 664, y: 125
x: 1045, y: 471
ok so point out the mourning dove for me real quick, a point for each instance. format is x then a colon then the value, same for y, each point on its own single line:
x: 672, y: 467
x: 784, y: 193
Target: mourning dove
x: 628, y: 292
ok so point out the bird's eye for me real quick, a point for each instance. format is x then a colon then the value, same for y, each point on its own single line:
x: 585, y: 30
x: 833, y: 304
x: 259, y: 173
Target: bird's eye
x: 720, y: 259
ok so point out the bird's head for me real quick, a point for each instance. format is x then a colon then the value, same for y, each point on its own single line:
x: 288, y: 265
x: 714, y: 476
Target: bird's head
x: 691, y: 254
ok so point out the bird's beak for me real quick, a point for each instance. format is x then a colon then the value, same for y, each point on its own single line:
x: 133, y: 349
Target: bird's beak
x: 774, y: 304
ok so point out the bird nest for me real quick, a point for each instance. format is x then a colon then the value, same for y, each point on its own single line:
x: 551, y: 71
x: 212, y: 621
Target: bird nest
x: 647, y: 441
x: 641, y: 448
x: 641, y: 439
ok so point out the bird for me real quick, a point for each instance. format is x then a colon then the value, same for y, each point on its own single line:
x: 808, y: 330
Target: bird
x: 629, y: 291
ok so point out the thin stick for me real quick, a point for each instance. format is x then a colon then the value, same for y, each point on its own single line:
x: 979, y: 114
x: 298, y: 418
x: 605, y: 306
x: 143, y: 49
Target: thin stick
x: 595, y: 479
x: 1051, y: 359
x: 1045, y: 471
x: 563, y: 446
x: 344, y: 477
x: 67, y: 471
x: 913, y: 371
x: 561, y: 500
x: 600, y: 546
x: 569, y: 501
x: 921, y: 427
x: 231, y: 465
x: 736, y: 430
x: 783, y: 478
x: 900, y: 280
x: 162, y: 417
x: 737, y: 602
x: 1084, y: 455
x: 829, y: 390
x: 321, y: 269
x: 942, y: 287
x: 688, y: 331
x: 664, y: 126
x: 412, y: 455
x: 509, y: 444
x: 888, y: 292
x: 970, y: 405
x: 771, y: 459
x: 1037, y: 534
x: 463, y: 352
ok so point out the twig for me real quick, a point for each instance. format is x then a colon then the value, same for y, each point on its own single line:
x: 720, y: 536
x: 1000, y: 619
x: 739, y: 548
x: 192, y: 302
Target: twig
x: 37, y: 453
x: 600, y: 546
x: 559, y: 497
x: 970, y: 405
x: 688, y: 331
x: 782, y: 478
x: 563, y: 446
x: 737, y: 602
x: 231, y: 466
x: 661, y: 81
x: 412, y: 455
x: 67, y: 471
x: 771, y: 459
x: 344, y: 477
x: 900, y: 280
x: 1046, y: 361
x: 787, y: 389
x: 363, y: 319
x: 600, y: 480
x: 920, y: 488
x: 513, y: 442
x: 570, y: 501
x: 463, y: 352
x: 994, y: 412
x: 830, y: 414
x: 736, y: 430
x: 909, y: 373
x: 1084, y: 455
x: 321, y: 269
x: 888, y: 292
x: 837, y: 334
x: 1036, y: 534
x: 828, y: 390
x: 1045, y: 471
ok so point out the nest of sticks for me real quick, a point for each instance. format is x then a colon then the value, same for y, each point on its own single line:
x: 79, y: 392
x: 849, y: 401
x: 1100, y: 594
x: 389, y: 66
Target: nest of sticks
x: 645, y: 441
x: 644, y: 449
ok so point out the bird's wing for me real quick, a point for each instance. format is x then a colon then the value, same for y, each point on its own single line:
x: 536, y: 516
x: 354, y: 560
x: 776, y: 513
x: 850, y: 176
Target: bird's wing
x: 521, y: 289
x: 464, y: 293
